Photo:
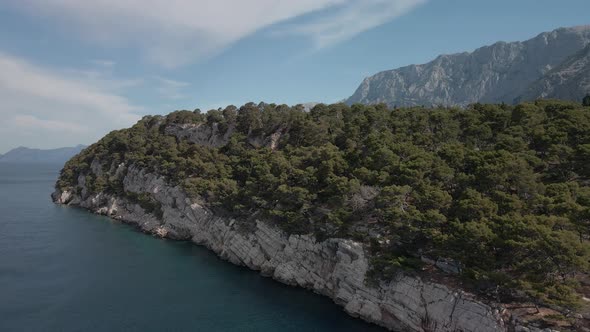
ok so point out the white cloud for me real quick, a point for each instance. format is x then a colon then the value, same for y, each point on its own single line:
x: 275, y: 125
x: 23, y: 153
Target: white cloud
x: 351, y: 19
x: 31, y: 122
x: 46, y: 108
x: 171, y: 89
x: 176, y: 32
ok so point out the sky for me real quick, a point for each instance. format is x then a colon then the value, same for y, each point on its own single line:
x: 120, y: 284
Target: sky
x: 71, y: 70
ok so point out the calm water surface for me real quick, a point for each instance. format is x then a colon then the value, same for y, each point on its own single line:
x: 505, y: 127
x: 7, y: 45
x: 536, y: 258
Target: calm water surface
x: 64, y: 269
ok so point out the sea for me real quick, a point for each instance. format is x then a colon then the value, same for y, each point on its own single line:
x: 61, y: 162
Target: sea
x: 66, y: 269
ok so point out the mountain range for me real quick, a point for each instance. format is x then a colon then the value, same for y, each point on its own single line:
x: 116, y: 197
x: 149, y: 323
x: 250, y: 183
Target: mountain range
x: 553, y: 64
x: 24, y: 154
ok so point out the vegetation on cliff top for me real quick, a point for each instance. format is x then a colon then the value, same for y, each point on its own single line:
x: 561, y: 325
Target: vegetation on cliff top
x: 502, y: 189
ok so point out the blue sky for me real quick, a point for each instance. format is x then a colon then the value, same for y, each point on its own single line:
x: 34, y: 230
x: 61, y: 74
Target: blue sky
x: 71, y: 71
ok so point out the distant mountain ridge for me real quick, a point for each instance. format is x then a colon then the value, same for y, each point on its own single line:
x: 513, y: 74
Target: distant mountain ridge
x: 569, y: 80
x: 24, y: 154
x: 553, y: 64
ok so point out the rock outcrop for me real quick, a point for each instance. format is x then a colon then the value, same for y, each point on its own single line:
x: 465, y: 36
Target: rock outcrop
x: 570, y: 80
x: 201, y: 134
x: 334, y: 267
x: 502, y: 72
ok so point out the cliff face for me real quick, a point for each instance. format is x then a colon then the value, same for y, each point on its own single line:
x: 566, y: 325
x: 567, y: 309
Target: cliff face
x: 570, y: 80
x: 502, y: 72
x: 335, y: 267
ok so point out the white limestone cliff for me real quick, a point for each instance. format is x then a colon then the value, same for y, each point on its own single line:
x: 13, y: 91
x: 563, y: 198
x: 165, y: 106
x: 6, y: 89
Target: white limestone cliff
x: 334, y: 267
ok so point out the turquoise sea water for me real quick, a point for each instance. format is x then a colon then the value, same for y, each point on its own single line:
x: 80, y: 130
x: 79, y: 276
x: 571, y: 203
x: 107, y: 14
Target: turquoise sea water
x: 64, y: 269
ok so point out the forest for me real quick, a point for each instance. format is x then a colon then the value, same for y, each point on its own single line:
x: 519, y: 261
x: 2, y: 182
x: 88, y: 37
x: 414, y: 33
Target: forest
x: 504, y: 190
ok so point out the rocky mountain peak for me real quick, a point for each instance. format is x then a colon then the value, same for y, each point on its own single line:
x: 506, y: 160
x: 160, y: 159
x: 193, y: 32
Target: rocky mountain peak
x: 501, y: 72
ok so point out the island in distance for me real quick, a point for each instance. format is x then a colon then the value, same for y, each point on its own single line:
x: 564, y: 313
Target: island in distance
x: 30, y: 155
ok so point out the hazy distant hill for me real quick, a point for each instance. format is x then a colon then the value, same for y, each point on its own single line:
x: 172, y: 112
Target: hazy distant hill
x: 23, y: 154
x: 554, y: 64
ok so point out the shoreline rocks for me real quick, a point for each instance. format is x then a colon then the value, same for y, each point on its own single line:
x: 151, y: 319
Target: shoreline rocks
x: 334, y: 267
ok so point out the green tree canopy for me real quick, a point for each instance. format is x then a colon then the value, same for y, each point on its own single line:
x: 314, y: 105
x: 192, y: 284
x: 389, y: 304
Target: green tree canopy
x: 504, y: 190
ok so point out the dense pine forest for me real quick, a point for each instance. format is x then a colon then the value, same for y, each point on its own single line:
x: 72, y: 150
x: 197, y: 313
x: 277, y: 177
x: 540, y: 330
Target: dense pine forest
x: 502, y: 190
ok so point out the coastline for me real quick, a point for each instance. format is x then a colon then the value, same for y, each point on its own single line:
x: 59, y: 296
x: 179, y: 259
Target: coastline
x: 334, y: 267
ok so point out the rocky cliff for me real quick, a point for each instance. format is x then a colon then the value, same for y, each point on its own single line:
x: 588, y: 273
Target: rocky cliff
x: 570, y: 80
x: 553, y: 64
x: 334, y: 267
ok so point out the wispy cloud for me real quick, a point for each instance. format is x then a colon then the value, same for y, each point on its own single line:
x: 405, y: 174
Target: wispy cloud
x: 350, y: 19
x: 171, y: 89
x: 102, y: 80
x: 177, y: 32
x: 31, y: 122
x: 106, y: 64
x: 56, y: 108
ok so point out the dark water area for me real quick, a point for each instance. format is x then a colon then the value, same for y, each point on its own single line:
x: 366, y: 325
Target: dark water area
x: 65, y: 269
